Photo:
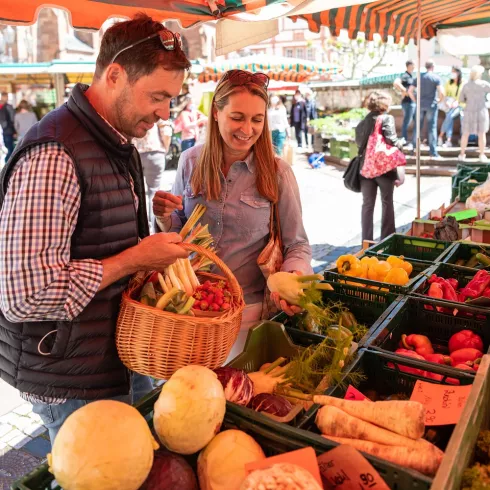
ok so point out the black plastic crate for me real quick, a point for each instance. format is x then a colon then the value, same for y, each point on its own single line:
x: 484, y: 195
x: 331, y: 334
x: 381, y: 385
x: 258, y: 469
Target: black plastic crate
x: 414, y: 315
x: 464, y: 251
x: 420, y: 268
x: 462, y: 274
x: 368, y: 307
x: 424, y: 249
x: 383, y: 376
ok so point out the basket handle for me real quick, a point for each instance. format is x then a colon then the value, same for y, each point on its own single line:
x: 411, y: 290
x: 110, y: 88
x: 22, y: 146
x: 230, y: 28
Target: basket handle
x: 235, y: 288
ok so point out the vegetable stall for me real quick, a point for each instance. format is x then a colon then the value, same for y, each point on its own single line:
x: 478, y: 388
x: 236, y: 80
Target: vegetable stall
x: 386, y: 363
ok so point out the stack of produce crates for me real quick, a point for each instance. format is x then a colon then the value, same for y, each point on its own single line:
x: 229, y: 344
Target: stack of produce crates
x: 464, y: 173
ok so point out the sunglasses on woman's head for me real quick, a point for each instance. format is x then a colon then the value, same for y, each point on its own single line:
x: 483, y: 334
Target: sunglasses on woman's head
x: 168, y: 38
x: 241, y: 77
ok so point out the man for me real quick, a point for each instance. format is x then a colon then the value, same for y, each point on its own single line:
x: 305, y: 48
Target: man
x: 153, y: 148
x: 310, y: 114
x: 74, y: 226
x: 7, y: 117
x: 299, y: 117
x: 409, y: 103
x: 431, y: 92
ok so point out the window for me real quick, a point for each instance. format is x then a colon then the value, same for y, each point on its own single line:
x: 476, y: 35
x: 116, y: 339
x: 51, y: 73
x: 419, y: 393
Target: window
x: 289, y: 53
x: 299, y: 35
x: 300, y: 53
x: 310, y: 54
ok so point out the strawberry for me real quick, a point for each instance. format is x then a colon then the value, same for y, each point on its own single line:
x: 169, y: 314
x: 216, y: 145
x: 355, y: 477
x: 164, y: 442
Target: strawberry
x: 204, y: 305
x: 225, y: 306
x: 213, y: 307
x: 210, y: 298
x: 197, y: 304
x: 219, y: 301
x: 207, y: 284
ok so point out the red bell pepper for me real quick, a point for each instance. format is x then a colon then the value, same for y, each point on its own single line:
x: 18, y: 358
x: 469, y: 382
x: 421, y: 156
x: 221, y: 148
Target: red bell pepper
x: 439, y: 377
x: 435, y: 290
x: 419, y: 343
x: 465, y: 367
x: 486, y: 293
x: 463, y: 339
x: 476, y: 287
x: 406, y: 369
x: 462, y: 356
x: 454, y: 283
x: 438, y: 359
x: 447, y: 290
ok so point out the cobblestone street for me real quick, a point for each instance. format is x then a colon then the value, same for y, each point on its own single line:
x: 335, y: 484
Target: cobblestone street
x: 332, y: 220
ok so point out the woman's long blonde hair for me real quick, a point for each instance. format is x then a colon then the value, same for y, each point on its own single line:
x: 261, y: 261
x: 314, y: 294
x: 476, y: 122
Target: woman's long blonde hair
x: 206, y: 174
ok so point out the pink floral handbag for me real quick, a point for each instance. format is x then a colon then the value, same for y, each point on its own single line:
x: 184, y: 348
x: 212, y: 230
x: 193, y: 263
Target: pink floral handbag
x: 380, y: 156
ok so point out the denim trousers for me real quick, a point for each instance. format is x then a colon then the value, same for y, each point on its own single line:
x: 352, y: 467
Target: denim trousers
x: 53, y: 416
x: 278, y: 140
x: 447, y: 125
x: 186, y: 144
x: 431, y: 114
x: 409, y: 111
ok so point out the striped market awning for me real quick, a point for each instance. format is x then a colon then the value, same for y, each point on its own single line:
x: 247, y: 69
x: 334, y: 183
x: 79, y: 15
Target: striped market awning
x: 93, y: 13
x: 399, y: 18
x: 277, y: 68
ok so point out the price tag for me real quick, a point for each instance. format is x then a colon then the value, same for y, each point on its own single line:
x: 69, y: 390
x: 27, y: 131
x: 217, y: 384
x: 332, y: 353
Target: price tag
x: 346, y: 468
x: 443, y: 403
x: 355, y: 395
x: 306, y: 458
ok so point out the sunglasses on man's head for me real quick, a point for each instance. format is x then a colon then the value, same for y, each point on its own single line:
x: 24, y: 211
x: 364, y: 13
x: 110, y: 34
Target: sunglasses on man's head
x: 241, y: 77
x: 168, y: 38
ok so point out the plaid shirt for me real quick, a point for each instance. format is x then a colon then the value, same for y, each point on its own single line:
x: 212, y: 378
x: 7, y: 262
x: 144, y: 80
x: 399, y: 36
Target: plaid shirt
x: 38, y: 279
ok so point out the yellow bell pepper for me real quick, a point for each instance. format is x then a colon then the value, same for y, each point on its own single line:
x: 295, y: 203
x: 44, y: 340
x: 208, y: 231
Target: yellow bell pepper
x: 400, y: 262
x: 397, y: 276
x: 349, y: 265
x: 366, y: 263
x: 378, y: 272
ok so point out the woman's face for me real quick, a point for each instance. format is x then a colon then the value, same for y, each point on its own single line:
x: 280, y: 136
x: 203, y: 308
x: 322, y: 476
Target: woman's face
x: 241, y: 122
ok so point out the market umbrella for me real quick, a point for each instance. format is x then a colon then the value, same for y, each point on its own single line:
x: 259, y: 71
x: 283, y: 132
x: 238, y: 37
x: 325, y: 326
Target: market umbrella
x: 93, y: 13
x: 403, y: 19
x: 278, y: 68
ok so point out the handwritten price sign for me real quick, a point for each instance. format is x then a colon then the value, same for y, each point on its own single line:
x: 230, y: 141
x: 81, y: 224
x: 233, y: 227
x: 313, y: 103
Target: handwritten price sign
x: 443, y: 403
x: 346, y: 468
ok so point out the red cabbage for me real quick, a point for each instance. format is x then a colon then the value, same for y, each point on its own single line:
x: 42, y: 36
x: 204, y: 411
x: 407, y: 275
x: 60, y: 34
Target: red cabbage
x: 237, y: 385
x: 272, y: 404
x: 170, y: 471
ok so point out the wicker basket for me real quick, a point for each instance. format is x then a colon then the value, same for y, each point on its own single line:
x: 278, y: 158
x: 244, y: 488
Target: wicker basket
x: 157, y: 343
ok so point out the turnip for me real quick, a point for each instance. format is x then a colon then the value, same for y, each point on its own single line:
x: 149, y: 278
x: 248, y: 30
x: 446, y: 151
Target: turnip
x: 290, y: 286
x: 189, y: 410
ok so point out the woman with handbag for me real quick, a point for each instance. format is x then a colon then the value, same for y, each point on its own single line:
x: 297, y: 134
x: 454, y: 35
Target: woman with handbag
x: 382, y: 163
x: 252, y: 198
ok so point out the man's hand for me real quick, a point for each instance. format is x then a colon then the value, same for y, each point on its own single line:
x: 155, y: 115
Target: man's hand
x: 164, y: 204
x: 158, y: 251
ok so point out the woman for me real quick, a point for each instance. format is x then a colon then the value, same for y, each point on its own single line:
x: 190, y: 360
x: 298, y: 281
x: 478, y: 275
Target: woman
x: 237, y: 177
x: 188, y: 122
x: 378, y: 103
x: 24, y: 119
x: 278, y: 123
x: 452, y: 89
x: 475, y: 121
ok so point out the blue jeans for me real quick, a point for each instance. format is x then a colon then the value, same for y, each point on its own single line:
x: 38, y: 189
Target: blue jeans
x: 8, y: 141
x: 409, y: 110
x: 278, y: 140
x: 53, y: 416
x: 431, y: 113
x: 447, y: 125
x: 186, y: 144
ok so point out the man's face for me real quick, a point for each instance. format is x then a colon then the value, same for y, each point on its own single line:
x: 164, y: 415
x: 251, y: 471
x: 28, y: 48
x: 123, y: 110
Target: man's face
x: 5, y: 98
x: 136, y: 108
x: 410, y: 68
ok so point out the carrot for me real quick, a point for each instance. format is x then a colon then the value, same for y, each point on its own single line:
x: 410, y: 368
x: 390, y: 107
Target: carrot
x: 425, y: 461
x: 334, y: 422
x: 403, y: 417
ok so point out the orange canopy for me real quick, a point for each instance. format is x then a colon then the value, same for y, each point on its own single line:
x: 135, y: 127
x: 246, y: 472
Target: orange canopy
x: 93, y: 13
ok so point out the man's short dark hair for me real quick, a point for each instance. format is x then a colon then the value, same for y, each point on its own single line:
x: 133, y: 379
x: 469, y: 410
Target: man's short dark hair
x: 144, y: 58
x: 409, y: 63
x: 4, y: 94
x: 429, y: 65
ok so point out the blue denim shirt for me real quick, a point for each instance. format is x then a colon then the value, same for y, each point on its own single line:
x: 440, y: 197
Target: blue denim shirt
x: 239, y: 220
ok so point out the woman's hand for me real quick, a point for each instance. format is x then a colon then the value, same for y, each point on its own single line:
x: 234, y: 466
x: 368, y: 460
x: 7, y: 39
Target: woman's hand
x: 283, y: 305
x: 164, y: 204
